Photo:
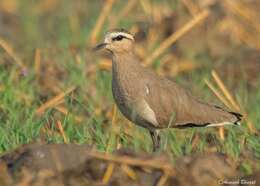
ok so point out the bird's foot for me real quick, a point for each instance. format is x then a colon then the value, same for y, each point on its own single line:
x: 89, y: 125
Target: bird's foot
x: 156, y: 140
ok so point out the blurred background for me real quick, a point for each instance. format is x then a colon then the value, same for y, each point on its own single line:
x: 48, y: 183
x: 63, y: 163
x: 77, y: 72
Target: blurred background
x: 54, y: 89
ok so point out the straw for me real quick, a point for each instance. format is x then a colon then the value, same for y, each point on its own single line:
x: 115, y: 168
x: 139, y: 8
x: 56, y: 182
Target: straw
x: 163, y: 180
x: 54, y: 101
x: 229, y: 101
x: 114, y: 115
x: 223, y: 99
x: 108, y: 173
x: 147, y: 7
x: 111, y: 165
x: 132, y: 161
x: 123, y: 13
x: 129, y: 171
x: 217, y: 93
x: 192, y: 8
x: 176, y: 35
x: 37, y: 62
x: 9, y: 50
x: 224, y: 90
x: 62, y: 131
x: 66, y: 112
x: 102, y: 17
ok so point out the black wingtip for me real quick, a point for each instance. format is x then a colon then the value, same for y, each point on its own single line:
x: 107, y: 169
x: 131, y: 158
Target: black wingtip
x: 238, y: 117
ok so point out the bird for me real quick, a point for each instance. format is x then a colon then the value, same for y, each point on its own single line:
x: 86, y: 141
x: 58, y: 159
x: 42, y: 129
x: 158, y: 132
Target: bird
x: 152, y: 101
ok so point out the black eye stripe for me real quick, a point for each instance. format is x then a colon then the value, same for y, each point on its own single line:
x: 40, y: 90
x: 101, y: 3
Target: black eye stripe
x: 119, y: 38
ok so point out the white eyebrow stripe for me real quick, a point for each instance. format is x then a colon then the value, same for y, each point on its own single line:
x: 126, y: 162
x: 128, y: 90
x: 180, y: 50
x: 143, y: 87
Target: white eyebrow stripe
x: 115, y: 34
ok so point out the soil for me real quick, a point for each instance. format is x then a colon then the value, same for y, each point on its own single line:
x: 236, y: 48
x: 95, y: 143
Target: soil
x: 76, y: 165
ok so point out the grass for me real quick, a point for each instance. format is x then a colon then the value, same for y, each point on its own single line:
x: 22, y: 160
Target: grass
x: 64, y: 48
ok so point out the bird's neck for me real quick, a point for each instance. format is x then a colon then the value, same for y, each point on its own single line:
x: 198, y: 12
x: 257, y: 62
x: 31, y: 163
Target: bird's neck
x: 125, y: 63
x: 126, y: 68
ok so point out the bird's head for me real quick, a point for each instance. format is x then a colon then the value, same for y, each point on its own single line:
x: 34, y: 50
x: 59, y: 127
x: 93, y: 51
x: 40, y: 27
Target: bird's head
x: 117, y: 41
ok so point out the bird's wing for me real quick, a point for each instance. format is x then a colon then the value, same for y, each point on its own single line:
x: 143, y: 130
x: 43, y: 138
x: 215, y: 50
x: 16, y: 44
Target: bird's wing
x: 175, y: 107
x: 161, y: 99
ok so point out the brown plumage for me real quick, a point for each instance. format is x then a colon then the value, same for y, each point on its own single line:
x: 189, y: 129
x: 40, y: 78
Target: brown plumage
x: 155, y: 102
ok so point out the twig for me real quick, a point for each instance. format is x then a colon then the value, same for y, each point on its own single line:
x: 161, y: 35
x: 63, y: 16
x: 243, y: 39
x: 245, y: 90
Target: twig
x: 129, y: 171
x: 129, y: 6
x: 195, y: 141
x: 66, y: 112
x: 37, y: 62
x: 54, y: 101
x: 221, y: 132
x: 217, y: 93
x: 223, y: 99
x: 114, y: 114
x: 147, y: 7
x: 102, y: 17
x: 229, y: 101
x: 241, y: 10
x: 9, y: 50
x: 192, y: 8
x: 224, y: 90
x: 108, y: 173
x: 163, y: 180
x: 176, y: 35
x: 155, y: 164
x: 62, y: 131
x: 250, y: 125
x: 111, y: 165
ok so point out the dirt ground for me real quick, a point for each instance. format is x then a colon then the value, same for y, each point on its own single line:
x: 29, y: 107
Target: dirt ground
x: 60, y: 164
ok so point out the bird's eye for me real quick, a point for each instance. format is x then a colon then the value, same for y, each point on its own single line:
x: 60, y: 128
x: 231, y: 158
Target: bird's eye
x: 118, y: 38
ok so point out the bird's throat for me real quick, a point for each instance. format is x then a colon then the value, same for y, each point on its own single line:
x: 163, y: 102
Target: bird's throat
x: 126, y: 68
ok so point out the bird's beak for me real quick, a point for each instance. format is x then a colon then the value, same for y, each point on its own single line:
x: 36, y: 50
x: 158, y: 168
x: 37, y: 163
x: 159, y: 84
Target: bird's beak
x: 100, y: 46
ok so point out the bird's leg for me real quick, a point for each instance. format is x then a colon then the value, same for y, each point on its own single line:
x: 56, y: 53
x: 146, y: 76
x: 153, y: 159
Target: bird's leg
x: 156, y: 139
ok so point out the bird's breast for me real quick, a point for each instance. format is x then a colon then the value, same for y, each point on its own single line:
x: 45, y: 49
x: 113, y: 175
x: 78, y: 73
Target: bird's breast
x: 122, y: 98
x: 122, y: 87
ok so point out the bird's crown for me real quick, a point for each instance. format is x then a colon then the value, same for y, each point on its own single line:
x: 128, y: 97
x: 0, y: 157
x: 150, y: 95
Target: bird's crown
x: 119, y: 34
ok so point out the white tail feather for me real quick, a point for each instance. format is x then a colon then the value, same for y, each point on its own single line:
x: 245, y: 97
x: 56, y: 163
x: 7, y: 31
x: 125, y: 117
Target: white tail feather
x: 221, y: 124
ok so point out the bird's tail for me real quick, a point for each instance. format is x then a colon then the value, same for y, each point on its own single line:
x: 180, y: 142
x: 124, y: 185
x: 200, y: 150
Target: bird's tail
x: 236, y: 121
x: 206, y: 115
x: 238, y: 117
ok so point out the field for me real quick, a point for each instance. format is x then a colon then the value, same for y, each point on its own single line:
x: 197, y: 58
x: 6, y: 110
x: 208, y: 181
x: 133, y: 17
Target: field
x: 55, y: 89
